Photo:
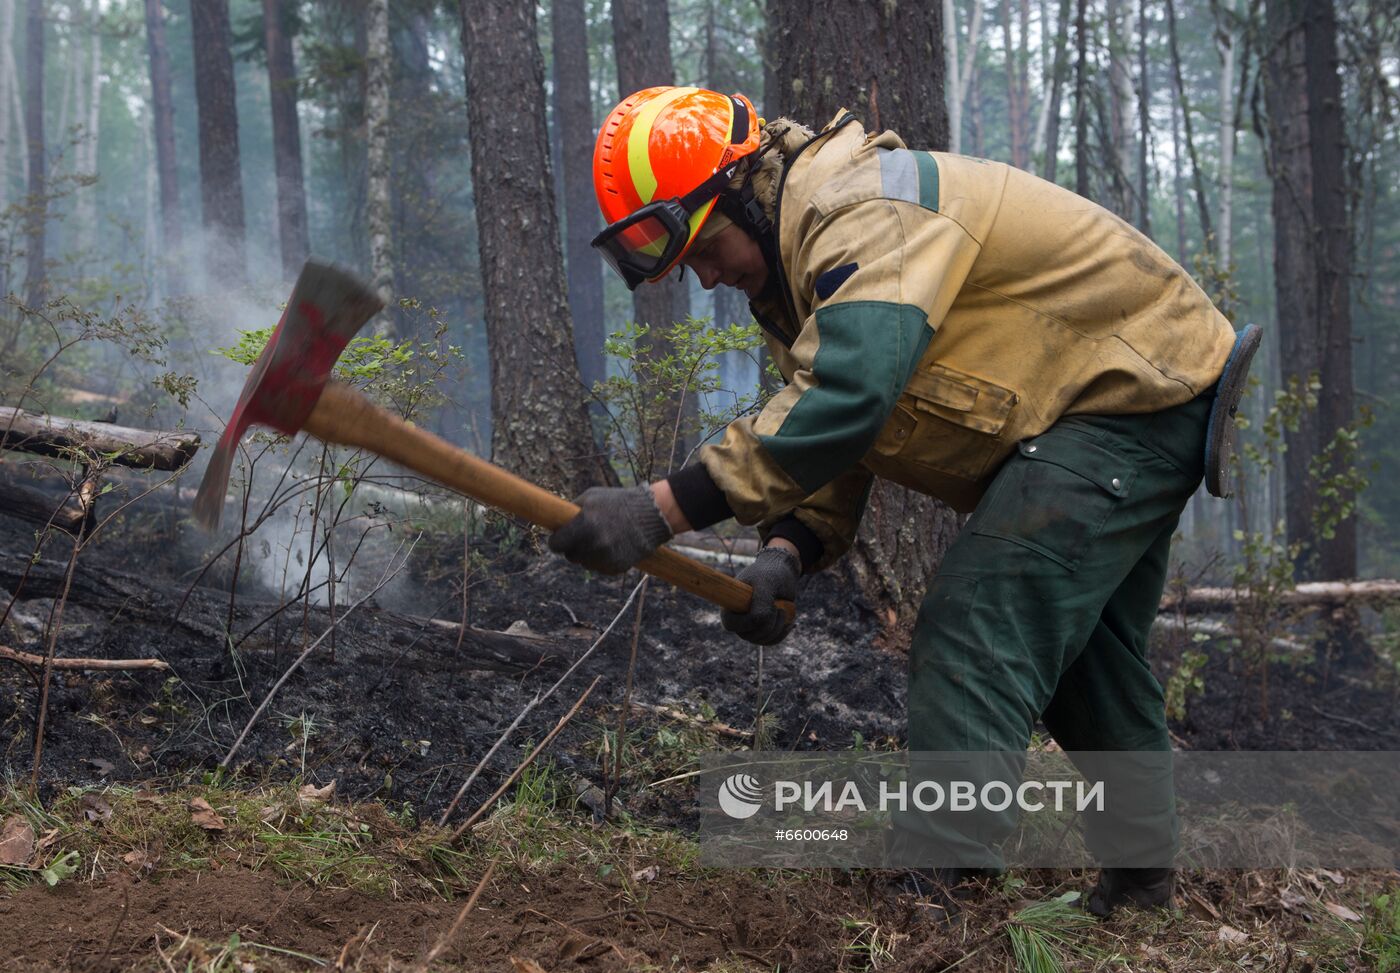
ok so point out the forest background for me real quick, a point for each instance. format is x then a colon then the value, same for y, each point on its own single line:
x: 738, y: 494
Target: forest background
x: 169, y: 165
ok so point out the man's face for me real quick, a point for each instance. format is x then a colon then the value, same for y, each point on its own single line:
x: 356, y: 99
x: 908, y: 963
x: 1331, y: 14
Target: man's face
x: 729, y: 257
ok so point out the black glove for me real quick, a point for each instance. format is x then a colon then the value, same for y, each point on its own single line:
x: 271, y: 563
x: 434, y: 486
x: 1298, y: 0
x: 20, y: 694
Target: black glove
x: 617, y: 527
x: 773, y: 575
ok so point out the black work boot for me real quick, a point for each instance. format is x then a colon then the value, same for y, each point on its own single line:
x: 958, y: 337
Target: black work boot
x: 1144, y: 888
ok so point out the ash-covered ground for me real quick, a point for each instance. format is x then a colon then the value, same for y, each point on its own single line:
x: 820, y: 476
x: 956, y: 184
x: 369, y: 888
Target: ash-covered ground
x: 391, y: 707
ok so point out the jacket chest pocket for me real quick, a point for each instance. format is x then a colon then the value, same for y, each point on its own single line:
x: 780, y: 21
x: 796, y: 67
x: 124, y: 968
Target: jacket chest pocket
x: 948, y: 421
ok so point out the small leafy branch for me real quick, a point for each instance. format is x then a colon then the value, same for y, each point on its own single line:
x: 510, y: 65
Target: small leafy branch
x: 647, y: 403
x: 1266, y: 571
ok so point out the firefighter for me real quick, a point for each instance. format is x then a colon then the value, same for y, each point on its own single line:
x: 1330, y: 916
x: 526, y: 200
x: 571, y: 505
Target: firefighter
x: 977, y: 334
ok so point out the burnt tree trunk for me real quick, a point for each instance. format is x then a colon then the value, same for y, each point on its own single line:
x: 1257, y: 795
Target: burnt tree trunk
x: 573, y: 114
x: 220, y: 168
x: 37, y: 206
x: 885, y: 64
x: 286, y: 138
x: 539, y: 417
x: 163, y: 125
x: 1311, y: 258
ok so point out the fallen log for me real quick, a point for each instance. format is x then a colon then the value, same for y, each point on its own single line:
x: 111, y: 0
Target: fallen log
x: 1218, y: 629
x: 29, y: 658
x: 1312, y: 594
x: 34, y: 432
x: 36, y: 506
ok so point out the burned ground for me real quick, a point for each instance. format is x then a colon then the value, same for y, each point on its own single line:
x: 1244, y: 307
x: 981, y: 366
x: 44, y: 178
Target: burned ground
x: 398, y: 714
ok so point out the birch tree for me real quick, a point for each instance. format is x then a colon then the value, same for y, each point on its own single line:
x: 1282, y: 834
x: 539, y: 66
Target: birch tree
x: 379, y: 204
x: 37, y: 208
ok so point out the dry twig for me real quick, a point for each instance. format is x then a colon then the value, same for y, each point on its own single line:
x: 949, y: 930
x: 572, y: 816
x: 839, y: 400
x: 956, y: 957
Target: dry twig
x: 446, y: 938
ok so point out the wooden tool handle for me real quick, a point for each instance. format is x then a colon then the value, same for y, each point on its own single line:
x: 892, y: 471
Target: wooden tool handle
x: 346, y: 417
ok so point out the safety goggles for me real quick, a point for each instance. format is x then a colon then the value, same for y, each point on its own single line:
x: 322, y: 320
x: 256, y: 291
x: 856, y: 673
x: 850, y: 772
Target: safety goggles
x: 643, y: 245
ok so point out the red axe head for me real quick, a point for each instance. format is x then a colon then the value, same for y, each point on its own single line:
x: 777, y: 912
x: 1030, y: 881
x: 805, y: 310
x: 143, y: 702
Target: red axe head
x: 327, y: 307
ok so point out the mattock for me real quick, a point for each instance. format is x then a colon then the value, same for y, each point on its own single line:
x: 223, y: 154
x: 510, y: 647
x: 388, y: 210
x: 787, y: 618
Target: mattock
x: 290, y: 389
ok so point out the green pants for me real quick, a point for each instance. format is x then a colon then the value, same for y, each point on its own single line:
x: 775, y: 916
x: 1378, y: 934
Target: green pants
x: 1042, y: 609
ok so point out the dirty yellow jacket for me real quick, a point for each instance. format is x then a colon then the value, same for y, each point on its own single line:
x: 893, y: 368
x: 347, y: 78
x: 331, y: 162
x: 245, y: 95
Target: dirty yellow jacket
x: 935, y: 309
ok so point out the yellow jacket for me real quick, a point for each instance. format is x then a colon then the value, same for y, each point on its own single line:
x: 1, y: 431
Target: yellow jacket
x: 936, y: 309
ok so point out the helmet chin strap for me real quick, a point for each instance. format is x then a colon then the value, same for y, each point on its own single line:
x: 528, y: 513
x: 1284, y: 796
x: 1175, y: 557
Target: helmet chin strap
x: 745, y: 211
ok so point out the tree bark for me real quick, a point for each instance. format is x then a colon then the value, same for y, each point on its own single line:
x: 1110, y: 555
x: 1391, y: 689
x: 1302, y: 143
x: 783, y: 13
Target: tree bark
x: 1225, y: 41
x: 1081, y: 108
x: 539, y: 416
x: 1120, y: 88
x: 163, y: 123
x: 1015, y: 94
x: 1311, y: 259
x: 37, y: 206
x: 1144, y: 194
x: 953, y: 78
x: 642, y: 43
x: 574, y: 122
x: 885, y: 64
x: 1052, y: 125
x: 220, y: 166
x: 286, y: 138
x: 379, y: 201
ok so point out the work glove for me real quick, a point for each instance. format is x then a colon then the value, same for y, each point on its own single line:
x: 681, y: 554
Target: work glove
x: 616, y: 528
x: 773, y: 575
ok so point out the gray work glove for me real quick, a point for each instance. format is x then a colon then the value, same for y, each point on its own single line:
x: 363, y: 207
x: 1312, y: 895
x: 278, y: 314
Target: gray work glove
x: 616, y: 528
x: 773, y: 575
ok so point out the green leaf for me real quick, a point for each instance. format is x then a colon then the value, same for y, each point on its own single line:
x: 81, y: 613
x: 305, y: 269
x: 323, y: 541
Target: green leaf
x: 60, y: 868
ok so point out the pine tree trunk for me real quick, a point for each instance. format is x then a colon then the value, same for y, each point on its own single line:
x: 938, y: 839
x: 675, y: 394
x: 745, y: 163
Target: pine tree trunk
x: 1225, y: 41
x: 379, y: 201
x: 1311, y: 258
x: 969, y: 91
x: 953, y: 75
x: 1015, y: 111
x: 163, y: 123
x: 885, y: 64
x: 1052, y: 114
x: 286, y: 138
x: 36, y: 217
x: 540, y: 426
x: 1120, y: 88
x: 642, y: 43
x: 1144, y: 125
x: 220, y: 166
x: 1081, y: 107
x: 574, y: 122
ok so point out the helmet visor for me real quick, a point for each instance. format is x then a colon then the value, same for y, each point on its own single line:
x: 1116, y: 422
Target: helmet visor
x: 645, y: 244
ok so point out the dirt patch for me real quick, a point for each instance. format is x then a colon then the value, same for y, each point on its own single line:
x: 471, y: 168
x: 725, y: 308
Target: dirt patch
x: 560, y: 920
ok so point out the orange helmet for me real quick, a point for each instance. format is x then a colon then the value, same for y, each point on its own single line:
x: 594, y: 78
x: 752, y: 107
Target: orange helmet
x: 662, y: 159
